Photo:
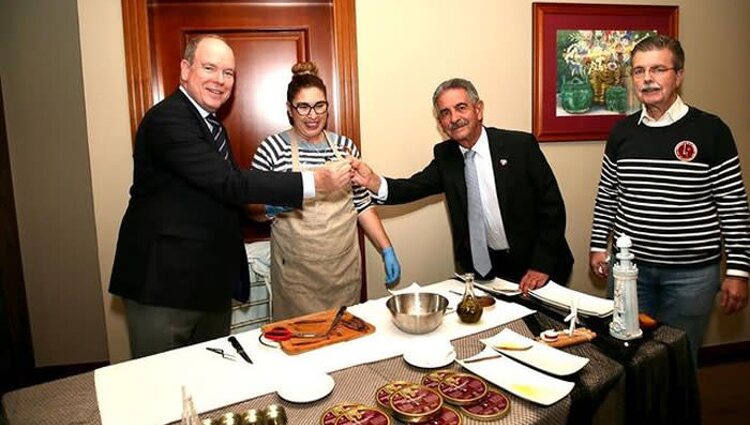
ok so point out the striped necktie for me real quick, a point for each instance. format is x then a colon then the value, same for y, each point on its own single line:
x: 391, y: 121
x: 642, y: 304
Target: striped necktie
x: 219, y: 135
x: 477, y: 232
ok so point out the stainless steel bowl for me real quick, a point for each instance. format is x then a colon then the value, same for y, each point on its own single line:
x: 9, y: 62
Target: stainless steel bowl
x: 417, y: 313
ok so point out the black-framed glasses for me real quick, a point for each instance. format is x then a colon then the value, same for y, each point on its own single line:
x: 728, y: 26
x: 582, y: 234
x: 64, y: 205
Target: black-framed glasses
x: 656, y: 71
x: 305, y: 108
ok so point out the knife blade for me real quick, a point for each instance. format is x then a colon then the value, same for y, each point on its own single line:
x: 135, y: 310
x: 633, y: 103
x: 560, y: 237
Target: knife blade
x: 238, y: 347
x: 336, y: 320
x: 307, y: 321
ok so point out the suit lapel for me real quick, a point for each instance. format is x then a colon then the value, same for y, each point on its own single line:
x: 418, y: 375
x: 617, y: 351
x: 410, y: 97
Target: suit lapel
x: 498, y: 156
x: 206, y: 132
x: 454, y: 169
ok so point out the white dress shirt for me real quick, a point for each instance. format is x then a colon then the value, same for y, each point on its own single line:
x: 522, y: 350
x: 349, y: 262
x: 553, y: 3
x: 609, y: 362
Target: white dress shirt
x: 493, y: 220
x: 673, y: 114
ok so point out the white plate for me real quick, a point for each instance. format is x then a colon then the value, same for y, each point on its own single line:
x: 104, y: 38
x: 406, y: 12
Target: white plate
x: 561, y: 296
x: 420, y: 359
x: 306, y: 388
x: 540, y: 356
x: 520, y: 380
x: 499, y: 286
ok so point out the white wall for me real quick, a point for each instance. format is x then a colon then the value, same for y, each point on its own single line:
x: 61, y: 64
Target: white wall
x: 48, y: 147
x: 108, y: 125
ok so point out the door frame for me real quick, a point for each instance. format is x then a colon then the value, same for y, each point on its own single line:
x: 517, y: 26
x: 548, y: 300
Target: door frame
x: 139, y: 66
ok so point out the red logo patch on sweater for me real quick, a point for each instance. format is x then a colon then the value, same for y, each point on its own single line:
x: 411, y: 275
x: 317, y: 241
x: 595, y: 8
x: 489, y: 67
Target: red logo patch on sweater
x: 686, y: 151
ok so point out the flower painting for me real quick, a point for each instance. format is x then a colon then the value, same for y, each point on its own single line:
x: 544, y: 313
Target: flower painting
x: 593, y: 69
x: 581, y: 65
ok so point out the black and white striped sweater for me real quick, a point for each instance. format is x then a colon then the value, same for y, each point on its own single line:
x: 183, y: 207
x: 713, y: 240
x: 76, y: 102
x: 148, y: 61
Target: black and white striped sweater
x: 676, y: 191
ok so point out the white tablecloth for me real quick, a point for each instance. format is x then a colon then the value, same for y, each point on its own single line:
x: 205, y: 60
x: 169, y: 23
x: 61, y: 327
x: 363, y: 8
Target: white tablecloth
x: 148, y: 390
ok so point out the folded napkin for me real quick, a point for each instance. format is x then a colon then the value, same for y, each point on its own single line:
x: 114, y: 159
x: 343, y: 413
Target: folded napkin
x: 413, y: 288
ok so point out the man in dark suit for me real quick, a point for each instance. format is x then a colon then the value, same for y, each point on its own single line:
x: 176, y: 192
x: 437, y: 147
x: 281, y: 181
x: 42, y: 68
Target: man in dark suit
x: 518, y: 227
x: 180, y: 249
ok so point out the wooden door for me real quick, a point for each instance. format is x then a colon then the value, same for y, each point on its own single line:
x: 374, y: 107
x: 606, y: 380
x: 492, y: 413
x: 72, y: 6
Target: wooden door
x: 267, y: 40
x: 268, y: 37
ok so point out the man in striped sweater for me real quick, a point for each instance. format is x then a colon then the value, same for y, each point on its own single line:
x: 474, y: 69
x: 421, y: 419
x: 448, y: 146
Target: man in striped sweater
x: 671, y: 181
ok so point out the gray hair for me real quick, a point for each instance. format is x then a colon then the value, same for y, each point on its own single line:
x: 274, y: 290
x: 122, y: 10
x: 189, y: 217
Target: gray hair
x: 455, y: 83
x: 193, y: 43
x: 659, y: 42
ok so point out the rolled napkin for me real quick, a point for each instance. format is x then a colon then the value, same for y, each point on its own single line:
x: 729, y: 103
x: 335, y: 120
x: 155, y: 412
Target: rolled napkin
x: 580, y: 335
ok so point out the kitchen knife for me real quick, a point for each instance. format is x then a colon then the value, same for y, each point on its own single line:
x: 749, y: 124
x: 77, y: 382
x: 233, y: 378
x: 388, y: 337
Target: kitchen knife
x: 337, y: 319
x: 238, y: 347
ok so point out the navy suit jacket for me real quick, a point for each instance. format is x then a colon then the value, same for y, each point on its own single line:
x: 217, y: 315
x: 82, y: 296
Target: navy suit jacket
x: 180, y: 243
x: 531, y: 205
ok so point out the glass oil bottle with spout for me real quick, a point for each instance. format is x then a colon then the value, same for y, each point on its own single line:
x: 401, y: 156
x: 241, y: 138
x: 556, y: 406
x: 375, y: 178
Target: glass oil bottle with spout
x: 469, y: 310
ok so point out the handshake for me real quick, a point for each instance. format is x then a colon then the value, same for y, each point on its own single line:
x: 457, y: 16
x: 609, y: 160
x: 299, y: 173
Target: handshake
x: 352, y: 170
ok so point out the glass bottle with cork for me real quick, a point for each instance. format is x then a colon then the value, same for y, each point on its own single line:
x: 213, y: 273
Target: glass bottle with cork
x: 469, y: 310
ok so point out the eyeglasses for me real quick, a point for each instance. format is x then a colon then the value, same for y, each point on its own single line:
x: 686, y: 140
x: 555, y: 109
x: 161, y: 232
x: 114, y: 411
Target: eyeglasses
x: 304, y: 108
x: 656, y: 71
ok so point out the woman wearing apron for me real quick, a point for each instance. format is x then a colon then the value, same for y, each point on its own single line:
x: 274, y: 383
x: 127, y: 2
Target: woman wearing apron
x: 315, y: 262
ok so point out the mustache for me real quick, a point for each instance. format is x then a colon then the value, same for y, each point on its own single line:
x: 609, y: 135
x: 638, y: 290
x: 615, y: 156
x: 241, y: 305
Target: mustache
x: 650, y: 87
x: 458, y: 124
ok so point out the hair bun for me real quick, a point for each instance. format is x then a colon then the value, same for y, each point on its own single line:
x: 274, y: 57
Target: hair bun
x: 305, y: 68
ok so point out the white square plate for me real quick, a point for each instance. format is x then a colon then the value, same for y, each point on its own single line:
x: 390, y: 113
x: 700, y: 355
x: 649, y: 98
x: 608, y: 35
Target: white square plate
x: 518, y: 379
x: 561, y: 296
x: 499, y: 286
x: 540, y: 356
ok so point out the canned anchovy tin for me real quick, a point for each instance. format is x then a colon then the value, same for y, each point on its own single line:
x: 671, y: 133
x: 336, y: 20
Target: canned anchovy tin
x: 274, y: 415
x: 253, y: 417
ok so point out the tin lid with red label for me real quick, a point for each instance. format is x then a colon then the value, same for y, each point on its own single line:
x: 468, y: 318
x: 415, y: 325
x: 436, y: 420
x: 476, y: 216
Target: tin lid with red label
x: 332, y: 414
x: 432, y: 379
x: 415, y: 403
x: 364, y: 415
x: 383, y: 394
x: 462, y: 389
x: 494, y: 405
x: 446, y: 416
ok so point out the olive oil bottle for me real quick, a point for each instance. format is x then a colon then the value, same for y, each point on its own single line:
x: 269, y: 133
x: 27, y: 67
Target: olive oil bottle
x: 469, y: 310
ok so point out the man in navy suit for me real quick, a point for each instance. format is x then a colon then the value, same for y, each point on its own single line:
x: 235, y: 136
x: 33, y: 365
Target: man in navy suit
x: 520, y: 213
x: 180, y: 248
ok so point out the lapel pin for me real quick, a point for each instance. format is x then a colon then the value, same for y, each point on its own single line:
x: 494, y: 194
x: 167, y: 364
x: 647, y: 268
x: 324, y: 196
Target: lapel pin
x: 503, y: 162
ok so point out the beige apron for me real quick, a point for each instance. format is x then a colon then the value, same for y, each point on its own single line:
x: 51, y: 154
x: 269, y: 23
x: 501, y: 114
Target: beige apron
x: 315, y: 262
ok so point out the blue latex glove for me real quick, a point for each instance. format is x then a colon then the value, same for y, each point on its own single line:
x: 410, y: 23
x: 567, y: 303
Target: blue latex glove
x: 272, y: 210
x: 392, y: 268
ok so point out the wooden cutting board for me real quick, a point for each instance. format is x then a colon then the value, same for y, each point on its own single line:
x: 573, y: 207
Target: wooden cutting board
x: 350, y: 327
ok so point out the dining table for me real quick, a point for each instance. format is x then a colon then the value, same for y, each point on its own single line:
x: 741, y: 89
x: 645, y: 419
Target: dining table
x: 646, y: 380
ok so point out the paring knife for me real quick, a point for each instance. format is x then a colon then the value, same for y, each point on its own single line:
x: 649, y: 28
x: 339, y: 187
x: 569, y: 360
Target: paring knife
x: 337, y: 319
x: 238, y: 347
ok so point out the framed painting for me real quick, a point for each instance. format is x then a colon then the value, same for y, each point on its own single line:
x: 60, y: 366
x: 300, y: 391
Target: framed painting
x: 582, y: 83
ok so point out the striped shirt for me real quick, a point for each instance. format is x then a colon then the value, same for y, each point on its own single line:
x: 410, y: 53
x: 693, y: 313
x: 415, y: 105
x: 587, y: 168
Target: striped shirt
x: 676, y: 191
x: 275, y: 154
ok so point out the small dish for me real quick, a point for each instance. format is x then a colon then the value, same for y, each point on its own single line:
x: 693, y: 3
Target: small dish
x: 486, y: 301
x: 426, y: 358
x: 306, y: 388
x: 549, y: 335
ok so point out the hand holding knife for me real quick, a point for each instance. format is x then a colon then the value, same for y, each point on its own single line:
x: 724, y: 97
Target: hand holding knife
x: 238, y: 347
